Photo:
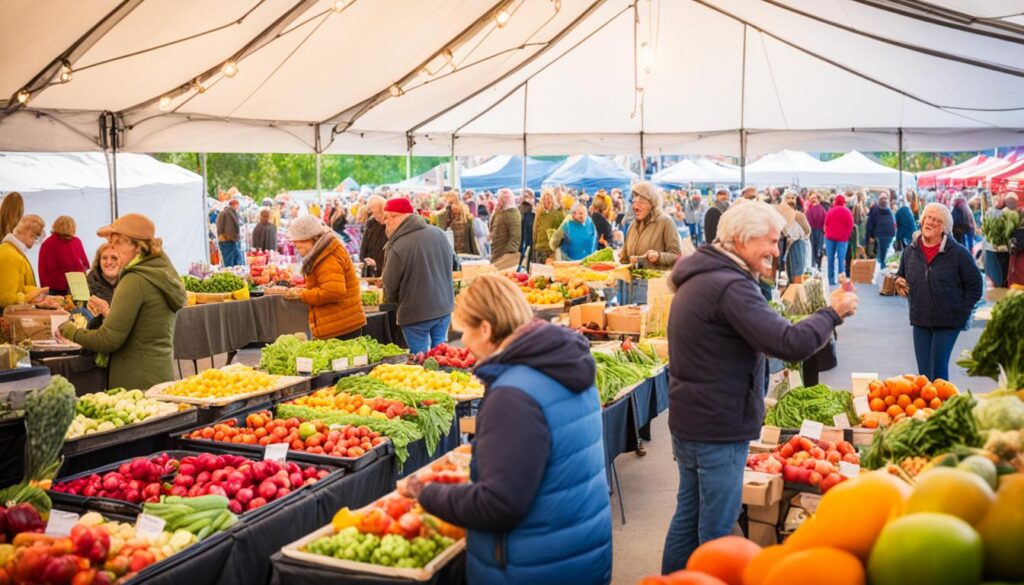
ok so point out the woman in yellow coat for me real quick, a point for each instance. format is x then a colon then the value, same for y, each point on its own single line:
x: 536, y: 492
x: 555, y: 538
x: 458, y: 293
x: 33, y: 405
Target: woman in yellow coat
x: 17, y: 280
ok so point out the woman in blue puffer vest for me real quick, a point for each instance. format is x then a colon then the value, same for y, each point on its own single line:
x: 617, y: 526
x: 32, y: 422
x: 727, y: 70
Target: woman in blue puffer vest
x: 537, y: 510
x: 578, y: 234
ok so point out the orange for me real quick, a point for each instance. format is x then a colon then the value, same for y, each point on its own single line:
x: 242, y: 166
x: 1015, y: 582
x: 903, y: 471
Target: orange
x: 686, y: 577
x: 883, y: 391
x: 903, y: 401
x: 890, y: 400
x: 877, y: 404
x: 894, y: 411
x: 920, y: 381
x: 945, y: 389
x: 815, y: 566
x: 724, y: 557
x: 920, y: 402
x: 763, y: 563
x: 929, y: 392
x: 874, y: 393
x: 910, y: 409
x: 853, y: 513
x: 935, y: 403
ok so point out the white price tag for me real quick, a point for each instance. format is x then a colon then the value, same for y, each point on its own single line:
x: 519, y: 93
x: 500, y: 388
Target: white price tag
x: 811, y: 429
x: 542, y: 270
x: 339, y: 364
x: 360, y: 360
x: 794, y: 379
x: 304, y: 365
x: 860, y: 405
x: 276, y: 452
x: 847, y: 469
x: 149, y: 526
x: 841, y: 421
x: 61, y: 523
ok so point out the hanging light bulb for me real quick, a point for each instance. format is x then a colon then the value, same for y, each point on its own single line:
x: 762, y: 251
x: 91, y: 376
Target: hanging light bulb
x: 558, y: 5
x: 449, y: 57
x: 23, y: 96
x: 165, y: 103
x: 230, y: 69
x: 502, y: 17
x: 646, y: 57
x: 65, y: 71
x: 198, y: 86
x: 339, y: 5
x: 395, y: 90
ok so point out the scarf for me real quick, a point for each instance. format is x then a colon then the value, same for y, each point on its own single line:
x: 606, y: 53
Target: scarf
x: 318, y: 248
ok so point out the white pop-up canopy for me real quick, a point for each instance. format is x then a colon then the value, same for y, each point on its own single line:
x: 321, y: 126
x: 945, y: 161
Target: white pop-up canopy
x: 540, y: 77
x: 786, y: 167
x: 853, y: 169
x: 77, y: 184
x: 696, y: 171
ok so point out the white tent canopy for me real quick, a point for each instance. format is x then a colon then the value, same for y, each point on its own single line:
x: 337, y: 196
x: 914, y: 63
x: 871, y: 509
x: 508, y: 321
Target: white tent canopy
x: 697, y: 171
x: 853, y: 169
x: 786, y: 167
x: 76, y: 184
x: 566, y: 76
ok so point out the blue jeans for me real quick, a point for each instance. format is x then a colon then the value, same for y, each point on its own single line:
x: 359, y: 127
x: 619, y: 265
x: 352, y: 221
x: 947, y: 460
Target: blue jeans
x: 231, y: 254
x: 883, y: 250
x: 836, y: 252
x: 817, y: 238
x: 696, y: 232
x: 996, y: 264
x: 932, y: 347
x: 425, y: 335
x: 709, y: 500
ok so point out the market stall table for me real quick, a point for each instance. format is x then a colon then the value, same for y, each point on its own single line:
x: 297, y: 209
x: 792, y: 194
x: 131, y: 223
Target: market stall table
x: 203, y: 331
x: 80, y: 369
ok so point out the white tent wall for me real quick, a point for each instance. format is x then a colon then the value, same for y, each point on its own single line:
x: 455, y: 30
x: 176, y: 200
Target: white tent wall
x: 76, y: 184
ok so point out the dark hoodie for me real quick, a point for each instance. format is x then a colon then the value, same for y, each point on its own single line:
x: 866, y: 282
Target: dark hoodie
x: 418, y: 272
x: 720, y: 329
x: 513, y: 439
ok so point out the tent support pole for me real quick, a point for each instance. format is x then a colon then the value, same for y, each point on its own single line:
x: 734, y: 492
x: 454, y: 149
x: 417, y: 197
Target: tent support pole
x: 317, y: 146
x: 408, y: 155
x: 526, y: 95
x: 109, y: 139
x: 643, y: 159
x: 206, y: 206
x: 743, y: 159
x: 452, y: 175
x: 899, y: 145
x: 743, y: 112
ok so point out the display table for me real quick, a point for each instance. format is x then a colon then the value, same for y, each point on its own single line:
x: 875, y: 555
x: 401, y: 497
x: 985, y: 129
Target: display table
x: 203, y: 331
x: 81, y: 370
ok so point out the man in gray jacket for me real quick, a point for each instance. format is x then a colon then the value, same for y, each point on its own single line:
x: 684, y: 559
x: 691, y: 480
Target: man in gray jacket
x: 418, y: 276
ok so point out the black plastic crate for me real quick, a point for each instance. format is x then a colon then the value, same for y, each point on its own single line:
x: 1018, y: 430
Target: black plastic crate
x: 129, y: 433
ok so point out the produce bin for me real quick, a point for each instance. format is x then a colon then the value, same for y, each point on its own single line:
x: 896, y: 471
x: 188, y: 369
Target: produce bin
x: 129, y: 433
x: 120, y: 507
x: 247, y: 450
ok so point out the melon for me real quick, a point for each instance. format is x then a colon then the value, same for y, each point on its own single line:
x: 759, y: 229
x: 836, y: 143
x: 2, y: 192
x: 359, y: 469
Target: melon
x: 1002, y: 531
x: 927, y: 548
x: 946, y: 490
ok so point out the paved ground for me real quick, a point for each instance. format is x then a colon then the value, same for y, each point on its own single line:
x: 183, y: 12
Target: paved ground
x: 877, y: 339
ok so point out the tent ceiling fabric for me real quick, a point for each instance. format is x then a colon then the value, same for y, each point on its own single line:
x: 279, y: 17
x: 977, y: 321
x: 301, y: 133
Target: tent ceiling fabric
x: 801, y: 74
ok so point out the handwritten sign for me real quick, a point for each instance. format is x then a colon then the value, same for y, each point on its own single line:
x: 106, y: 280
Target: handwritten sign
x: 860, y: 405
x: 339, y: 364
x: 304, y: 365
x: 360, y: 360
x: 61, y: 523
x: 847, y: 469
x: 542, y: 270
x: 276, y: 452
x: 811, y: 429
x: 841, y: 421
x: 149, y: 526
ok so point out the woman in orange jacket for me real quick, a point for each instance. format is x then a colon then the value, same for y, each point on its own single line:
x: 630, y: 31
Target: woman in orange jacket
x: 332, y: 287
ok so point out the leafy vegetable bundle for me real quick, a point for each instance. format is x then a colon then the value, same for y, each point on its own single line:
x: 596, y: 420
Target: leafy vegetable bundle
x: 1000, y: 344
x: 434, y: 410
x: 999, y: 228
x: 952, y: 425
x: 818, y: 403
x: 602, y: 255
x: 279, y: 357
x: 621, y: 369
x: 401, y: 432
x: 222, y: 282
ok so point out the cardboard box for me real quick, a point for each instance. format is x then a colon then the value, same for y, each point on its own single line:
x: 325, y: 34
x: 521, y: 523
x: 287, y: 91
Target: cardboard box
x: 660, y: 345
x: 863, y: 436
x: 761, y: 489
x: 467, y: 424
x: 761, y: 533
x: 863, y: 271
x: 580, y: 315
x: 627, y: 319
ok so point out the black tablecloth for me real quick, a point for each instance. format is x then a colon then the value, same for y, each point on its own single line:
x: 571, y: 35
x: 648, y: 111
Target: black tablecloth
x: 289, y: 571
x: 81, y: 370
x: 202, y: 331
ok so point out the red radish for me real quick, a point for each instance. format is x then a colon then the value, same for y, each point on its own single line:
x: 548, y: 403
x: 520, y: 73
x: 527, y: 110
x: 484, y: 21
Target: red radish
x: 283, y: 492
x: 267, y: 489
x: 235, y: 506
x: 295, y: 479
x: 187, y: 469
x: 256, y: 503
x: 244, y: 495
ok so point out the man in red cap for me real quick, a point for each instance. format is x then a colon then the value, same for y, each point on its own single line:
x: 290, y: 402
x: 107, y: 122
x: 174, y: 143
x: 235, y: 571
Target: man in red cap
x: 418, y: 275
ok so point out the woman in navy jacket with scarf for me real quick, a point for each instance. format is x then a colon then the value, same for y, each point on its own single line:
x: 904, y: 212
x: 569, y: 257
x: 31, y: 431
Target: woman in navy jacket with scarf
x: 537, y: 511
x: 942, y: 284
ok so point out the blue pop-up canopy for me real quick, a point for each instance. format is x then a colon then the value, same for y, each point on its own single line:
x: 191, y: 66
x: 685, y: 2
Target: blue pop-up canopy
x: 591, y: 173
x: 507, y: 171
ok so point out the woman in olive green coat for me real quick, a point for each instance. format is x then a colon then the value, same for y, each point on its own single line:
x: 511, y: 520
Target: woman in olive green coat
x: 138, y: 334
x: 549, y: 217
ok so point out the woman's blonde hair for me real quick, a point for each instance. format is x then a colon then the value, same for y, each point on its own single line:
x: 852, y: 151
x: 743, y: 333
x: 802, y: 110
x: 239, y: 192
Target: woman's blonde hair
x: 99, y: 254
x: 493, y: 298
x: 64, y: 226
x: 30, y: 222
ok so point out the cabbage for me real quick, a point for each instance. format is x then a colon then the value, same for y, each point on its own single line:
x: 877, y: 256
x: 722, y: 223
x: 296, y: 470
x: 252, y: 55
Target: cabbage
x: 1003, y: 413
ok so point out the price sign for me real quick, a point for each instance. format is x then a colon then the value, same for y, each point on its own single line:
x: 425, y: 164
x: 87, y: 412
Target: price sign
x: 149, y: 526
x: 848, y: 469
x: 841, y: 421
x: 542, y: 270
x: 794, y: 379
x: 339, y: 364
x: 276, y: 452
x: 304, y: 365
x: 811, y: 429
x: 860, y: 405
x: 61, y: 523
x: 360, y: 360
x: 78, y: 286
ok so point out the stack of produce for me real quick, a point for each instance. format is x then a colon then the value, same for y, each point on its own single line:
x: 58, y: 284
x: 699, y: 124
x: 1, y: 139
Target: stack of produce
x: 445, y: 355
x: 543, y: 290
x: 97, y: 552
x: 905, y: 396
x: 1000, y: 349
x: 952, y: 425
x: 999, y: 229
x: 645, y: 273
x: 201, y: 515
x: 808, y: 297
x: 806, y: 461
x: 414, y: 377
x: 818, y: 403
x: 595, y: 273
x: 233, y: 380
x: 279, y: 357
x: 247, y: 484
x: 113, y: 409
x: 618, y: 370
x: 949, y: 527
x: 261, y: 274
x: 600, y: 258
x: 261, y: 428
x: 400, y: 432
x: 48, y: 414
x: 221, y: 282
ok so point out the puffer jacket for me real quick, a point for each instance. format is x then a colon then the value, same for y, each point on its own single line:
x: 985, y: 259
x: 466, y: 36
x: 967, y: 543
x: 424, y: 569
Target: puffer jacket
x: 332, y: 293
x: 941, y: 294
x: 537, y: 510
x: 657, y: 232
x: 579, y: 240
x: 881, y: 223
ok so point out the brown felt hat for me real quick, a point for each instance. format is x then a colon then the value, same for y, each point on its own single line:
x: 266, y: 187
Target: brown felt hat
x: 132, y: 225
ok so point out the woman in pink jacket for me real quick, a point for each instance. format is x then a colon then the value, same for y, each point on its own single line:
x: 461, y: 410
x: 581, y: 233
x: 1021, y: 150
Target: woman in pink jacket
x: 838, y: 225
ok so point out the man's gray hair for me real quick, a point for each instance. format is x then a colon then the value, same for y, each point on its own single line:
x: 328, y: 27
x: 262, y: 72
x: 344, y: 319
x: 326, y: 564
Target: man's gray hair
x: 944, y: 213
x: 375, y: 200
x: 753, y: 219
